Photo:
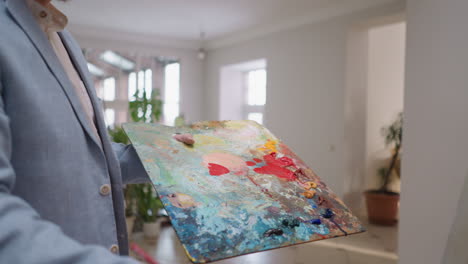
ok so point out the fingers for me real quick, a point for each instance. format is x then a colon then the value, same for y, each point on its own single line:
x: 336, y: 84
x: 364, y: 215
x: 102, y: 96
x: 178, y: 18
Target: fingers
x: 184, y: 138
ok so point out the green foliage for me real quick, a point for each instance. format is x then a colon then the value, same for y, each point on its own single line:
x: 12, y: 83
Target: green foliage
x: 141, y: 199
x: 118, y: 135
x: 146, y: 110
x: 382, y: 172
x: 393, y: 137
x: 130, y: 196
x: 393, y: 133
x: 180, y: 121
x: 148, y: 202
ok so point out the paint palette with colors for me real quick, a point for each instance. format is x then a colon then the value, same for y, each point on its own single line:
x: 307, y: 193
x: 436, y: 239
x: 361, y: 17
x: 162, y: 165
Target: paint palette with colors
x: 237, y: 190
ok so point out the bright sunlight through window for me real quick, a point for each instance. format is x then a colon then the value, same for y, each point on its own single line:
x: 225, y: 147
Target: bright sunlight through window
x: 109, y: 117
x: 257, y: 117
x: 256, y: 94
x: 256, y: 87
x: 141, y: 82
x: 131, y: 86
x: 109, y: 89
x: 171, y: 92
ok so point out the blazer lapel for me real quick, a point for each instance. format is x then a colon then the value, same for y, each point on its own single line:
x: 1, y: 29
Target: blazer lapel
x: 22, y: 15
x: 81, y: 66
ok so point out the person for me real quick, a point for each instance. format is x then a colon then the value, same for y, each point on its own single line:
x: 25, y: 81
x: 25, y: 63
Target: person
x: 61, y: 178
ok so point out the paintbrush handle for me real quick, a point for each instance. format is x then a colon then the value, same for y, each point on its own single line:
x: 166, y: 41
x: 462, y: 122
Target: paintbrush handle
x: 140, y: 252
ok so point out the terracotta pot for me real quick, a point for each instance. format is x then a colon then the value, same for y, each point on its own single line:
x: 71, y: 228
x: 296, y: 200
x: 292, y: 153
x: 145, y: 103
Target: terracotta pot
x: 382, y: 207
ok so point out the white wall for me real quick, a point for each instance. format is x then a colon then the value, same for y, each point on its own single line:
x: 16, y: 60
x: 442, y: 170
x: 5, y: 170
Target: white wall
x: 356, y: 103
x: 386, y: 56
x: 355, y: 107
x: 455, y: 248
x: 305, y: 87
x: 231, y: 94
x: 435, y: 160
x: 191, y: 71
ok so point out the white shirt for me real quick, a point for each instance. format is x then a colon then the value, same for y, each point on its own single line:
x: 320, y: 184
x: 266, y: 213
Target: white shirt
x: 52, y: 21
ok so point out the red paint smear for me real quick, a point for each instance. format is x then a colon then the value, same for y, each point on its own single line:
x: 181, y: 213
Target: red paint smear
x: 217, y: 170
x: 250, y: 163
x: 276, y: 167
x: 277, y: 171
x: 257, y: 160
x: 322, y: 236
x: 300, y: 172
x: 281, y: 162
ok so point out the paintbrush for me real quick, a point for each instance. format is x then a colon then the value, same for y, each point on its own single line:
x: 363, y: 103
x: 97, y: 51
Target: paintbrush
x: 141, y: 253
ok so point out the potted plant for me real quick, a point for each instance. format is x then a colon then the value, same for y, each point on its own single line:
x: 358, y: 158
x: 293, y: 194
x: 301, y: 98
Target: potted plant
x: 118, y: 135
x: 141, y: 109
x: 147, y: 109
x: 130, y: 212
x: 382, y: 204
x: 149, y: 205
x: 144, y: 109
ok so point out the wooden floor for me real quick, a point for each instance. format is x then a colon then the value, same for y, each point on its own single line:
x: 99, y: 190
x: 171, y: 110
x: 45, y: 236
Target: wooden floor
x: 376, y: 246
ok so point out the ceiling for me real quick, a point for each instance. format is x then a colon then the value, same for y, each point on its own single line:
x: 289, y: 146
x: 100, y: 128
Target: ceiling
x: 185, y: 19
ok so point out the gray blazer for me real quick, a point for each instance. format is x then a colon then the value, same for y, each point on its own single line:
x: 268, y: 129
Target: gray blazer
x: 53, y: 206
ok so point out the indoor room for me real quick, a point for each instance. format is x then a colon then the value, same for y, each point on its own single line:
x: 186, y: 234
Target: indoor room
x: 364, y: 99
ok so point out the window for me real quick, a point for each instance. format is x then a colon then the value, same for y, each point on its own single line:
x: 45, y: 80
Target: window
x: 116, y: 60
x: 256, y: 87
x: 108, y: 93
x: 121, y: 77
x: 257, y: 117
x: 171, y: 92
x: 132, y: 86
x: 148, y: 83
x: 242, y: 91
x: 255, y: 81
x: 95, y: 70
x: 141, y: 81
x: 109, y: 117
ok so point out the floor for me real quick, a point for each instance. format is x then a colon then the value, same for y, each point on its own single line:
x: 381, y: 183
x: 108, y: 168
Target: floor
x: 376, y: 246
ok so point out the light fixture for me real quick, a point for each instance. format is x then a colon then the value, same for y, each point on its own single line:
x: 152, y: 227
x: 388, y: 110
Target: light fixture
x: 201, y: 51
x: 116, y: 60
x: 96, y: 71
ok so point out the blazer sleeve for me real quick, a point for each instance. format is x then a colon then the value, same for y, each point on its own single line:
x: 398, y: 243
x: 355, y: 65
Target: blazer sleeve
x: 24, y: 236
x: 130, y: 165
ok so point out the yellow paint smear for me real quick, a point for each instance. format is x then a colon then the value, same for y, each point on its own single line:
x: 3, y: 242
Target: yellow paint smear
x: 269, y: 146
x: 190, y: 257
x: 236, y: 125
x: 207, y: 140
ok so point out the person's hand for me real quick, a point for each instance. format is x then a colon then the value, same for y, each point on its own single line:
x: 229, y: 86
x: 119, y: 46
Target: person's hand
x: 184, y: 138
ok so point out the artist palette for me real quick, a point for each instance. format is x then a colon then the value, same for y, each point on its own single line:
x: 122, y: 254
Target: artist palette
x: 237, y: 190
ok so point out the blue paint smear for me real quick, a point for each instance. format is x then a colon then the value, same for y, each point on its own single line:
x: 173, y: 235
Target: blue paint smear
x: 231, y: 214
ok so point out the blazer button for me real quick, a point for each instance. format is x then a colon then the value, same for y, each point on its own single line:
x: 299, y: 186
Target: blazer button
x: 43, y: 14
x: 105, y: 189
x: 114, y: 249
